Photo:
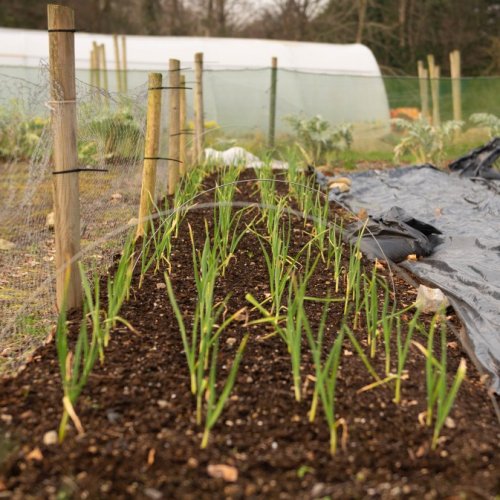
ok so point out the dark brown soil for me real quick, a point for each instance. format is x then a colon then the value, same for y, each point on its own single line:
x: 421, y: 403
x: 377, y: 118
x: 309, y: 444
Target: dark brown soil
x: 141, y: 439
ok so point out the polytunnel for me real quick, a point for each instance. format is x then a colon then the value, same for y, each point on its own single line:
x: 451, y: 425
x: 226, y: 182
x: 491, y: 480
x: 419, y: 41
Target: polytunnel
x: 342, y: 83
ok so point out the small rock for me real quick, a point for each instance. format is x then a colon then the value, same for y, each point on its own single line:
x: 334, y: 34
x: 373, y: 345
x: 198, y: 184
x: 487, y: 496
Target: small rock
x: 226, y: 472
x: 430, y: 300
x: 318, y: 490
x: 6, y: 418
x: 192, y: 463
x: 160, y: 286
x: 162, y: 403
x: 230, y: 341
x: 35, y: 455
x: 153, y: 493
x: 450, y: 423
x: 50, y: 438
x: 6, y: 245
x: 116, y: 196
x: 50, y: 220
x: 113, y: 416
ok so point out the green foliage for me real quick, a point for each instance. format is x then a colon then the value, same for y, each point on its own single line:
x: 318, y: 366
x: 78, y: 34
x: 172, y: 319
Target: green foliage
x: 110, y: 135
x: 424, y: 142
x: 318, y: 140
x: 487, y: 120
x: 440, y: 398
x: 19, y: 133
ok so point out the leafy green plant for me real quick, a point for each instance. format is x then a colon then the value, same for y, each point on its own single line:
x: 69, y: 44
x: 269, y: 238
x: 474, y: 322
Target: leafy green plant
x: 334, y: 257
x: 318, y: 140
x: 75, y: 367
x: 326, y: 379
x: 118, y: 289
x: 403, y: 347
x: 425, y: 142
x: 214, y: 405
x: 20, y: 133
x: 109, y: 135
x: 205, y: 330
x: 440, y: 398
x: 487, y: 120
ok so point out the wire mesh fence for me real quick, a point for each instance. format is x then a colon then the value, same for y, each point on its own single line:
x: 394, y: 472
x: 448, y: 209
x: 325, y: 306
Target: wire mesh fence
x: 111, y: 128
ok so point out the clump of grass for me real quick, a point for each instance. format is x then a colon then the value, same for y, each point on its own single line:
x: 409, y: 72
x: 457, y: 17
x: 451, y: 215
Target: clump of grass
x: 326, y: 379
x: 440, y: 398
x: 215, y: 404
x: 205, y: 330
x: 75, y: 367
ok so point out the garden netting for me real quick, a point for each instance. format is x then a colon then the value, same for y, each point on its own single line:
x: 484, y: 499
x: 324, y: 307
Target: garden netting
x: 110, y: 137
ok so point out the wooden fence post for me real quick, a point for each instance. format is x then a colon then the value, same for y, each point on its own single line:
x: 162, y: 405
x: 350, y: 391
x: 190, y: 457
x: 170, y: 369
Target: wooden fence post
x: 104, y: 67
x: 92, y: 67
x: 423, y: 80
x: 434, y: 75
x: 97, y: 64
x: 61, y: 25
x: 456, y: 90
x: 199, y: 125
x: 272, y: 105
x: 183, y: 126
x: 173, y: 125
x: 151, y: 149
x: 117, y: 64
x: 124, y: 65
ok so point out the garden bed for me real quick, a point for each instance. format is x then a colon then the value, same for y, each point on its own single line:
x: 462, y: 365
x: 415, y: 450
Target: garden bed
x: 141, y: 438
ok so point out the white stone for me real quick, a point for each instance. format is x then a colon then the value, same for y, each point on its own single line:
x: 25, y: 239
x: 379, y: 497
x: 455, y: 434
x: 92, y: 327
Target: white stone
x: 430, y: 300
x: 50, y: 438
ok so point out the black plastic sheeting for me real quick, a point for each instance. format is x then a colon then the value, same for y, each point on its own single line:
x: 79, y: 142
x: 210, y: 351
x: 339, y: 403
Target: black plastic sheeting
x: 463, y: 261
x: 479, y: 162
x: 394, y: 235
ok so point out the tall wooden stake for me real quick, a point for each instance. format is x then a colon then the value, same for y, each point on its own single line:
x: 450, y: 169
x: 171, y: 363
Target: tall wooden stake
x: 173, y: 125
x: 199, y: 126
x: 124, y: 65
x: 117, y: 64
x: 97, y: 63
x: 61, y: 25
x: 423, y: 80
x: 92, y: 67
x: 151, y: 149
x: 456, y: 89
x: 183, y: 126
x: 272, y: 104
x: 104, y: 67
x: 434, y: 75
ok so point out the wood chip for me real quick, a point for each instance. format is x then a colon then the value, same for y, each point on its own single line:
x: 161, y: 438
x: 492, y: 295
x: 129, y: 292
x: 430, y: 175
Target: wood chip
x: 35, y: 455
x: 226, y: 472
x: 151, y: 456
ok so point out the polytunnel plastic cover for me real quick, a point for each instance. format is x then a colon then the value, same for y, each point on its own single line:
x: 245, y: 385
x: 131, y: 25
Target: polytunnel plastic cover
x: 464, y: 260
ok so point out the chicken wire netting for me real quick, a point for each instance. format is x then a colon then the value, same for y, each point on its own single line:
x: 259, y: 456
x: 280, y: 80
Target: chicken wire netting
x: 110, y: 141
x: 111, y: 137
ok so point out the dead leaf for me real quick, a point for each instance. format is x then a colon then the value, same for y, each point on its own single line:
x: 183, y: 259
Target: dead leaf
x: 363, y: 214
x: 421, y: 417
x: 379, y: 265
x: 35, y: 455
x: 151, y: 456
x: 422, y: 450
x: 226, y: 472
